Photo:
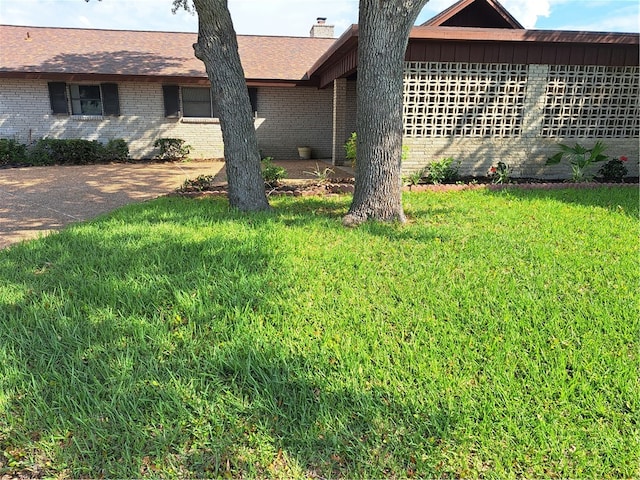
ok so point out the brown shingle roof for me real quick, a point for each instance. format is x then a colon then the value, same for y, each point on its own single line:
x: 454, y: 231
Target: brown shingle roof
x: 151, y: 54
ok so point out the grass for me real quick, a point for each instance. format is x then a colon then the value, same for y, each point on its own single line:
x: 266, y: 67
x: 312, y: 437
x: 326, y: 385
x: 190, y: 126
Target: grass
x: 496, y: 335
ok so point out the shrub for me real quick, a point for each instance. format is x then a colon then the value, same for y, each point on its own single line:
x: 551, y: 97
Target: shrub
x: 442, y: 171
x: 350, y: 149
x: 201, y: 183
x: 50, y: 151
x: 116, y: 150
x: 614, y: 170
x: 171, y: 149
x: 580, y: 159
x: 272, y: 174
x: 12, y: 152
x: 55, y: 151
x: 414, y: 178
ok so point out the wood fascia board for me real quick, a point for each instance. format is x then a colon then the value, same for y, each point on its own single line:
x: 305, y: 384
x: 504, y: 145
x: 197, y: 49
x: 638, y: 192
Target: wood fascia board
x: 178, y: 80
x: 456, y: 8
x: 347, y: 41
x: 446, y: 14
x: 502, y: 35
x: 504, y: 13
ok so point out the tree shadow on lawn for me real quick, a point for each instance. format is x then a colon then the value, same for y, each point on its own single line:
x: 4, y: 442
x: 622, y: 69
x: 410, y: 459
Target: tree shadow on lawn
x: 159, y: 354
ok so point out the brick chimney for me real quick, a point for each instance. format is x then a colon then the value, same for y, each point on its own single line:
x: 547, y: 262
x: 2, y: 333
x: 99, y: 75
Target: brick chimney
x: 321, y: 29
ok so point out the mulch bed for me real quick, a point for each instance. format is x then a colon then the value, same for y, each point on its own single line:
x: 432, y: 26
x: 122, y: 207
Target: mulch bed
x: 340, y: 186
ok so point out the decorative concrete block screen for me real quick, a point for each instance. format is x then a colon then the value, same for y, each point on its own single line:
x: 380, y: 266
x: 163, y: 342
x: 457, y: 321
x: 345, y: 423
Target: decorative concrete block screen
x: 463, y: 99
x: 588, y: 101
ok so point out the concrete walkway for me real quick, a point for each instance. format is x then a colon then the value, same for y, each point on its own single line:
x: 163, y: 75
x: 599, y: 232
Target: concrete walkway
x: 37, y: 200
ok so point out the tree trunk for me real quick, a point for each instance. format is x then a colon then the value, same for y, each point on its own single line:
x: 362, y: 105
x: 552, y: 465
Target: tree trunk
x: 384, y: 28
x: 217, y: 47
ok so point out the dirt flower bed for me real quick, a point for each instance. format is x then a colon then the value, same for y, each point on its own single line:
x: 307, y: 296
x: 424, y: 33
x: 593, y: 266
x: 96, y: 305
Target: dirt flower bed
x: 340, y: 186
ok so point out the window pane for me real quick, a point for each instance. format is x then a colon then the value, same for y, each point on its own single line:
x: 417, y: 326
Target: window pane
x: 196, y: 102
x: 190, y: 94
x: 85, y: 99
x: 91, y: 107
x: 89, y: 92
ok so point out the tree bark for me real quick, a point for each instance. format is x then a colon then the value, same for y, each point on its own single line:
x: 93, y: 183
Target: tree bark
x: 384, y: 28
x: 217, y: 47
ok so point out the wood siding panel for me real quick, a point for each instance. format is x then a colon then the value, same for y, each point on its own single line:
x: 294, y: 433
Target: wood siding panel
x: 505, y: 53
x: 576, y: 54
x: 604, y: 55
x: 463, y: 52
x: 591, y: 56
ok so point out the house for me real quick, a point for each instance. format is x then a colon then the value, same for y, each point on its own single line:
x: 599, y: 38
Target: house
x: 478, y: 87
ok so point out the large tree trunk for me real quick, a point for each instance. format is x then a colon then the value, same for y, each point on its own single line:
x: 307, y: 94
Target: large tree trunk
x: 217, y: 47
x: 384, y: 28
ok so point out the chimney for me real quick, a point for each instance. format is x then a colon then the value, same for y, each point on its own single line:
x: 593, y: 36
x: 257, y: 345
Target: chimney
x: 321, y: 29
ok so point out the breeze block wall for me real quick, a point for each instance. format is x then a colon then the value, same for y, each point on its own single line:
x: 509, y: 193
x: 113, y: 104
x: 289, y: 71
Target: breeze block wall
x: 481, y: 114
x: 25, y: 115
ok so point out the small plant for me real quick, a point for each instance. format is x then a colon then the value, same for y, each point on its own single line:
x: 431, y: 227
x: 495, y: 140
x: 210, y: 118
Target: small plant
x: 580, y: 158
x: 350, y: 149
x: 322, y: 176
x: 200, y: 184
x: 614, y: 170
x: 414, y: 178
x: 171, y: 149
x: 272, y: 174
x: 499, y: 174
x: 12, y: 152
x: 442, y: 171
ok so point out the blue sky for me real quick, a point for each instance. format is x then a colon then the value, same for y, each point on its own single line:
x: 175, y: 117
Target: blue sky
x: 295, y: 17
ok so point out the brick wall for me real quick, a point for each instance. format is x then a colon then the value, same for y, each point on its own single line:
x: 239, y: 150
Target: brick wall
x: 294, y: 117
x: 287, y: 118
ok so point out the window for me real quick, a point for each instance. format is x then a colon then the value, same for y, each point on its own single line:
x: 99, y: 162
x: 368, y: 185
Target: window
x: 86, y: 99
x: 98, y: 99
x: 196, y: 101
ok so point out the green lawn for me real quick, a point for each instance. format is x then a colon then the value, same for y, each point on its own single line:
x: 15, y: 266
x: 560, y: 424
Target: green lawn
x: 495, y: 335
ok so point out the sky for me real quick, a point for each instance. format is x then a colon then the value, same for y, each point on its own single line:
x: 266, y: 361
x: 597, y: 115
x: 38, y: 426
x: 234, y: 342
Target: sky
x: 295, y: 17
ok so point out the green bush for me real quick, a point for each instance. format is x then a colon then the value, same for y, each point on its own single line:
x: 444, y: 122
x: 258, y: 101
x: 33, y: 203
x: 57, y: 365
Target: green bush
x: 116, y: 150
x: 272, y: 174
x: 55, y: 151
x: 171, y: 149
x: 350, y: 149
x: 12, y: 152
x: 442, y: 171
x: 614, y: 170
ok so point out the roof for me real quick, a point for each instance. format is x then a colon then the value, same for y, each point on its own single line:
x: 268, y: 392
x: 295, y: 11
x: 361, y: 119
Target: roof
x: 71, y: 51
x: 341, y: 59
x: 475, y: 13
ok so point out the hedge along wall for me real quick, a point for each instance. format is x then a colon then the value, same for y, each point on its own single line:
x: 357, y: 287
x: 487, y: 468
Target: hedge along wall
x: 286, y: 118
x: 25, y: 115
x: 481, y: 114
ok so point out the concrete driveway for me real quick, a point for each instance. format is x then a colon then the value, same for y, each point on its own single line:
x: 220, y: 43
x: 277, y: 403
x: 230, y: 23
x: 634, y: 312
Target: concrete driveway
x: 37, y: 200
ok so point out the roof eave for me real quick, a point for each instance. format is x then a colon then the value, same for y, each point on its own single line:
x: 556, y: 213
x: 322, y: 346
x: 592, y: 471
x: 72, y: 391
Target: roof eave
x: 343, y: 43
